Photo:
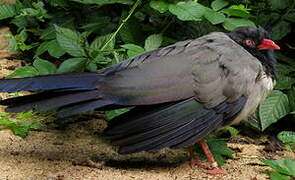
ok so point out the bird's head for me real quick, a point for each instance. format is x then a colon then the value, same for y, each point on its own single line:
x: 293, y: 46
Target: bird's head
x: 253, y: 38
x: 256, y: 40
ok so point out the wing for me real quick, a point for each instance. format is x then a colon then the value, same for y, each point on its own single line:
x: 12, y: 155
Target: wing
x: 213, y: 69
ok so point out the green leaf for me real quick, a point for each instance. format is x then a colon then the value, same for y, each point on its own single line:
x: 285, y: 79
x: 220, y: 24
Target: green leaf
x: 43, y: 47
x: 132, y: 32
x: 22, y: 36
x: 50, y: 33
x: 274, y: 107
x: 55, y: 50
x: 152, y: 42
x: 277, y: 165
x: 44, y: 67
x: 21, y: 131
x: 133, y: 50
x: 285, y: 166
x: 27, y: 71
x: 70, y: 41
x: 233, y: 131
x: 280, y: 30
x: 25, y: 115
x: 283, y: 69
x: 214, y: 17
x: 159, y: 5
x: 7, y: 11
x: 232, y: 23
x: 279, y: 4
x: 114, y: 113
x: 52, y: 47
x: 102, y: 2
x: 36, y: 10
x: 284, y: 82
x: 102, y: 60
x: 187, y: 11
x: 288, y: 60
x: 290, y: 163
x: 91, y: 66
x: 236, y: 12
x: 287, y: 137
x: 72, y: 65
x: 240, y: 7
x: 290, y: 17
x: 219, y: 4
x: 61, y: 3
x: 278, y: 176
x: 291, y: 96
x: 97, y: 23
x: 100, y: 41
x: 6, y: 122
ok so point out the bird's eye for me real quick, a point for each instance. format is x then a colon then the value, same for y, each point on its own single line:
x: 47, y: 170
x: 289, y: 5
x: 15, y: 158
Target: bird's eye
x: 249, y: 42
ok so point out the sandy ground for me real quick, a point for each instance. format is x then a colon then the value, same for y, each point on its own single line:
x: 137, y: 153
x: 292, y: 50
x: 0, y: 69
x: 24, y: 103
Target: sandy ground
x: 54, y: 154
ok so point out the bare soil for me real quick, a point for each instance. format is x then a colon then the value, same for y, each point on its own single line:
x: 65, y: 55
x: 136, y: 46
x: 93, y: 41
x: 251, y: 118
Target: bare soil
x: 62, y: 155
x: 75, y: 151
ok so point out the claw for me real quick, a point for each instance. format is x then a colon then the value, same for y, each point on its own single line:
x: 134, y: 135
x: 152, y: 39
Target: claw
x: 197, y: 162
x: 215, y: 170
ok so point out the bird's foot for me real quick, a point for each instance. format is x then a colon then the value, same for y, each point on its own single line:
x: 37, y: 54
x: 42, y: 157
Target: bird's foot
x: 197, y: 162
x: 215, y: 170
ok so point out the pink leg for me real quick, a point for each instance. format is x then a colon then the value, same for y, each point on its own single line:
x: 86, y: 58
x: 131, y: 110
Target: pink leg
x: 195, y: 161
x: 216, y: 169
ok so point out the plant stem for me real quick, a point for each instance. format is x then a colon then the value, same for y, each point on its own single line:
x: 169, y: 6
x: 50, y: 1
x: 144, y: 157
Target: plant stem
x: 122, y: 23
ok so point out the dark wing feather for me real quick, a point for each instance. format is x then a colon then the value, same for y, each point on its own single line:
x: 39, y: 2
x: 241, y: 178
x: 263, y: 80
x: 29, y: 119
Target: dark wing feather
x: 179, y: 125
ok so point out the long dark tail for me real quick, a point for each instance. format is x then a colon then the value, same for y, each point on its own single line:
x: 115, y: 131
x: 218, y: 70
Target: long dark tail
x: 59, y: 91
x: 73, y: 81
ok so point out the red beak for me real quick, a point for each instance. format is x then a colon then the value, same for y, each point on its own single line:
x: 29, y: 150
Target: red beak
x: 268, y: 44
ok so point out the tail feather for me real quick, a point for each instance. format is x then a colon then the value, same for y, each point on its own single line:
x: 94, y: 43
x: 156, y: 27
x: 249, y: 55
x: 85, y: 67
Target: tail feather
x: 82, y: 107
x: 75, y: 81
x: 53, y: 102
x: 78, y: 90
x: 19, y: 100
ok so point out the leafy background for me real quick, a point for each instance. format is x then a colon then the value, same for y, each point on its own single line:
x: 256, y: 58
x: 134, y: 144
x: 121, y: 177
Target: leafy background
x: 57, y: 36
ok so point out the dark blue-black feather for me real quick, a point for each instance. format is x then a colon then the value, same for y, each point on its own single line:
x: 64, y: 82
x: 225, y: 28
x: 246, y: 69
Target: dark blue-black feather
x: 174, y: 125
x: 75, y: 81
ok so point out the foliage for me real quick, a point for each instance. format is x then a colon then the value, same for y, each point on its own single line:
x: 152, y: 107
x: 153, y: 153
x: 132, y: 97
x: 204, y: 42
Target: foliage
x: 219, y: 149
x: 284, y: 169
x: 288, y: 138
x: 233, y: 132
x: 274, y: 107
x: 114, y: 113
x: 21, y: 123
x: 87, y: 35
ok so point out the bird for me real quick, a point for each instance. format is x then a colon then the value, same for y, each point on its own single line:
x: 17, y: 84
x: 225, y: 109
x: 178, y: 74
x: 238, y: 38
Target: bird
x: 177, y: 94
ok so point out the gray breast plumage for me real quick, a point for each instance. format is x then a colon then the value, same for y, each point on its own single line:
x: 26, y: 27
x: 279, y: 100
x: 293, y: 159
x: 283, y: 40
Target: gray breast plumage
x: 263, y: 86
